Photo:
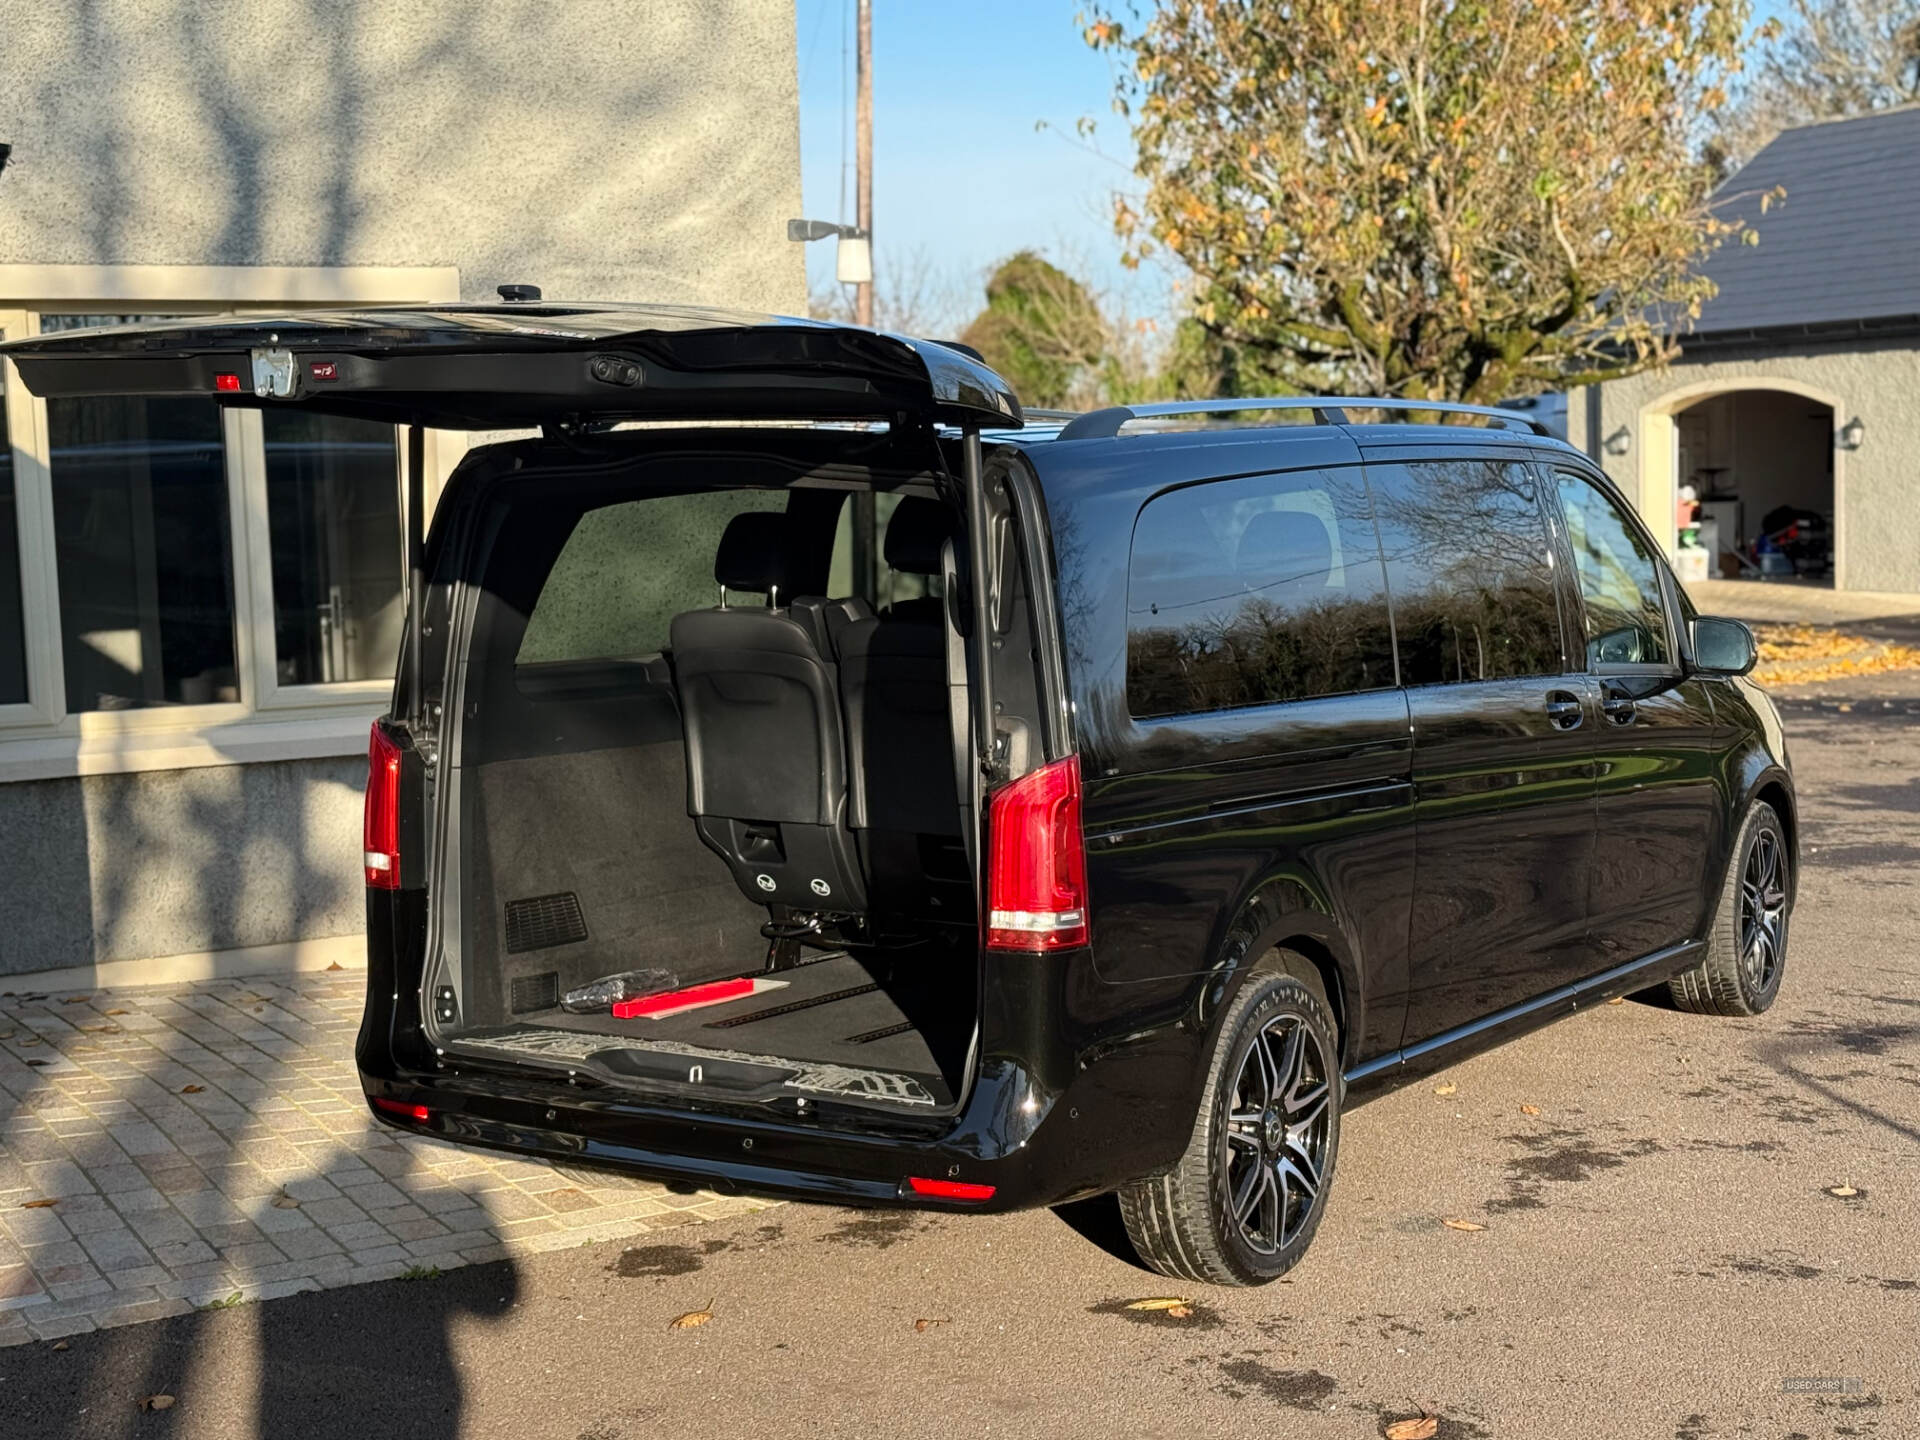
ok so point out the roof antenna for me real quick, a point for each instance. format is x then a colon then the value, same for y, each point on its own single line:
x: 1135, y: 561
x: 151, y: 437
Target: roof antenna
x: 515, y: 293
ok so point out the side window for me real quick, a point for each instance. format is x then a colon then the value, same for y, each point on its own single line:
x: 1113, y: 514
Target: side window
x: 1619, y: 578
x: 1255, y: 591
x: 628, y: 569
x: 1467, y: 556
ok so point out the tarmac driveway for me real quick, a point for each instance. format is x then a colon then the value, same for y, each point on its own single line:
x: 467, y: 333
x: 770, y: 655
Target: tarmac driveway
x: 1664, y: 1254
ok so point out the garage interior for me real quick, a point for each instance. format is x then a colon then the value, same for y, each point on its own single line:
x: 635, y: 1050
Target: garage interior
x: 1761, y: 466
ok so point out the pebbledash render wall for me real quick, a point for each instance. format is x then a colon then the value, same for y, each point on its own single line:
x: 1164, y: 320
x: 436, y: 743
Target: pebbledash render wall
x: 1876, y: 486
x: 175, y: 155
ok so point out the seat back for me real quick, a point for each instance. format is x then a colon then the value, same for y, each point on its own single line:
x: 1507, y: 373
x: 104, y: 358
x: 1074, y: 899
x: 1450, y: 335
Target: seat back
x: 760, y: 709
x: 903, y: 804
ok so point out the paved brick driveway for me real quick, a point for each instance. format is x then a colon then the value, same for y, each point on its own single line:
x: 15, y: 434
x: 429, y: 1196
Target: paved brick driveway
x: 201, y: 1141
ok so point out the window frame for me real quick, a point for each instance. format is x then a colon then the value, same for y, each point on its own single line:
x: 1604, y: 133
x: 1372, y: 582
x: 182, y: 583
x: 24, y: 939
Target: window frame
x: 1551, y: 469
x: 42, y: 739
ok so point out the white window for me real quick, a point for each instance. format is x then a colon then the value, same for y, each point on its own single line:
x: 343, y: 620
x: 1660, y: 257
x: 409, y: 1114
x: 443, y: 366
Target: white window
x: 182, y: 584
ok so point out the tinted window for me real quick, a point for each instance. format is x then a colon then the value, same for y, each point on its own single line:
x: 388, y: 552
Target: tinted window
x: 1250, y: 592
x: 1619, y: 579
x: 628, y: 569
x: 1467, y: 553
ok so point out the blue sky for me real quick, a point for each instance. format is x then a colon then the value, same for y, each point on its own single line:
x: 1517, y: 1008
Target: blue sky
x: 961, y: 176
x: 959, y: 173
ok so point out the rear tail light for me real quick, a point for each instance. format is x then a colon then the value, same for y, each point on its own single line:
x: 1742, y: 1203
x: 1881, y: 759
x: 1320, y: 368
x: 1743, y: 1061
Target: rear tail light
x: 382, y: 828
x: 948, y: 1189
x: 401, y: 1108
x: 1037, y: 862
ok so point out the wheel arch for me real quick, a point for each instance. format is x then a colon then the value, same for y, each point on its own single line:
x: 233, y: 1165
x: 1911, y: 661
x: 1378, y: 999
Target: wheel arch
x: 1286, y: 914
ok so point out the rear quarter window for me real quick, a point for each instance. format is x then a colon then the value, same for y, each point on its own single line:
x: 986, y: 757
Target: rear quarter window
x: 627, y: 570
x: 1255, y: 591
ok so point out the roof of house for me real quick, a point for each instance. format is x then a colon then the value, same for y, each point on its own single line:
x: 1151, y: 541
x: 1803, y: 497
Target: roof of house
x: 1842, y: 248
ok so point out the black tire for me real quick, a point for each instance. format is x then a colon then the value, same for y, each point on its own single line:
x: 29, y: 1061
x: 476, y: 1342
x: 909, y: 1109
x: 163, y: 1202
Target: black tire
x: 1747, y: 944
x: 1183, y: 1223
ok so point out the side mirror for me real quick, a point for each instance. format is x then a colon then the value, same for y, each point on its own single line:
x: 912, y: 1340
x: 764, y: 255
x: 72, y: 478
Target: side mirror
x: 1723, y: 647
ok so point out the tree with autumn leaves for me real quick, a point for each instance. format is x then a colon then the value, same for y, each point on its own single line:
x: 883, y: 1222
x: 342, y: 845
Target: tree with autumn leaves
x: 1431, y: 199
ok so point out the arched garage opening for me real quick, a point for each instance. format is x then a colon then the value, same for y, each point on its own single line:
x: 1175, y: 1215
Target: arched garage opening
x: 1761, y: 462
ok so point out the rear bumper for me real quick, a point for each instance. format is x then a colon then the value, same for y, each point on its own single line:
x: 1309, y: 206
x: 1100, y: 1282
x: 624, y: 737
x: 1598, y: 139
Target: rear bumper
x: 731, y: 1154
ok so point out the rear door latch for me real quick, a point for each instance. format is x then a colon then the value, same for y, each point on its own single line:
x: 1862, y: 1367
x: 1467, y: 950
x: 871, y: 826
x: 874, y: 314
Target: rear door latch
x: 273, y: 373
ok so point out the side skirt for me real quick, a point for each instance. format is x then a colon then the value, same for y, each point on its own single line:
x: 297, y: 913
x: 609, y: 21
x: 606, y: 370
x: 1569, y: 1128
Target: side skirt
x: 1400, y: 1067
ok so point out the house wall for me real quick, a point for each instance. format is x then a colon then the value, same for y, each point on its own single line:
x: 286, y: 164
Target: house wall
x: 601, y: 149
x: 1876, y: 487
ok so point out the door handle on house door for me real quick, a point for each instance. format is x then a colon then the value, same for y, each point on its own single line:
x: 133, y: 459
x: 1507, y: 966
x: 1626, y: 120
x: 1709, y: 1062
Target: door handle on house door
x: 1564, y: 710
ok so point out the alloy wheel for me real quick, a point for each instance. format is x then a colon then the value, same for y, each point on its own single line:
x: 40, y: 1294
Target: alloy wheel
x: 1763, y: 910
x: 1279, y: 1128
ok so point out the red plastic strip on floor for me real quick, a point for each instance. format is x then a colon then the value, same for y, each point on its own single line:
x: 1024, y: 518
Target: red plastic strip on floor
x: 672, y: 1002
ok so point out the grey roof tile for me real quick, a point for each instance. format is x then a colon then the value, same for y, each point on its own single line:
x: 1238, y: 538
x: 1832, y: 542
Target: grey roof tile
x: 1843, y: 245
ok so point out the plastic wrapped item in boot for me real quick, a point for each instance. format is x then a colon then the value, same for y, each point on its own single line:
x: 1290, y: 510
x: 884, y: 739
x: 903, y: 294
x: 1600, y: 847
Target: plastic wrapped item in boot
x: 609, y: 990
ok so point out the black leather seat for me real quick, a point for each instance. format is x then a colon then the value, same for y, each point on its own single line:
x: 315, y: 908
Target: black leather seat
x: 903, y: 800
x: 766, y: 751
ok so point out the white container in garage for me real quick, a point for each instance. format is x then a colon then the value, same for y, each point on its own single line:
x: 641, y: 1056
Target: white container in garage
x: 1690, y: 564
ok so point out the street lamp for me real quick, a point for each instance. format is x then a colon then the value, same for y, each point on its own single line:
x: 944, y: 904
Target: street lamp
x: 853, y: 256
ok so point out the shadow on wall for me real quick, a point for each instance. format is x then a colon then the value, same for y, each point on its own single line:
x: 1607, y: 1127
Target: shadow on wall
x: 606, y: 144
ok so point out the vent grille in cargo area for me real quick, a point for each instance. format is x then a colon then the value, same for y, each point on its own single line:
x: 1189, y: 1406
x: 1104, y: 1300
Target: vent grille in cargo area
x: 543, y: 921
x: 534, y: 992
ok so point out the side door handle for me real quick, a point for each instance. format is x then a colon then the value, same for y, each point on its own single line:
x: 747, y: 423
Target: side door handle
x: 1564, y: 710
x: 1617, y: 708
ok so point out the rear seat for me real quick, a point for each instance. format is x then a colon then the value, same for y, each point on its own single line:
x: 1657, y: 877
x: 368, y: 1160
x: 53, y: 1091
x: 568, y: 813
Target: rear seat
x: 766, y: 751
x: 903, y: 802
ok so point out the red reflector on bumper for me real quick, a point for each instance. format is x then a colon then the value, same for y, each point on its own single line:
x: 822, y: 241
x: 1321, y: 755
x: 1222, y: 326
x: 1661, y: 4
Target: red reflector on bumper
x: 402, y: 1109
x: 949, y: 1189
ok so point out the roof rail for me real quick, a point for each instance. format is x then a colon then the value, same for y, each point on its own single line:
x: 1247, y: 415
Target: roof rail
x: 1327, y: 410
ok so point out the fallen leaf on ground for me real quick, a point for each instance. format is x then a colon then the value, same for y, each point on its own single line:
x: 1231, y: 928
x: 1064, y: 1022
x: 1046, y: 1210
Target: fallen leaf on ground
x: 1843, y: 1191
x: 1453, y: 1224
x: 1181, y: 1312
x: 1423, y: 1427
x: 75, y: 999
x: 336, y: 965
x: 693, y: 1319
x: 38, y: 1204
x: 61, y: 1345
x: 1529, y: 1109
x: 101, y: 1029
x: 1618, y: 1000
x: 922, y: 1326
x: 6, y: 1034
x: 1446, y: 1089
x: 116, y: 1012
x: 285, y: 1202
x: 157, y: 1402
x: 1163, y: 1302
x: 33, y: 1040
x: 191, y: 1089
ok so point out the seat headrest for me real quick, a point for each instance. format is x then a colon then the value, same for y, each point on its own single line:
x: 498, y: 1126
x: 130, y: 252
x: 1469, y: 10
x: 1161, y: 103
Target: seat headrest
x: 753, y: 552
x: 1285, y: 547
x: 916, y: 530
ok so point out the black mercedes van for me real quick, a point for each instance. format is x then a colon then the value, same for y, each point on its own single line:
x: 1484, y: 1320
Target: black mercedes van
x: 808, y: 774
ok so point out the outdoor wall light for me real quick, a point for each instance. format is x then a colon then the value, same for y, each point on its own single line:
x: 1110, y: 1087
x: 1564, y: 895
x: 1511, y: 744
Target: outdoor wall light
x: 853, y: 257
x: 1619, y: 442
x: 1850, y: 434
